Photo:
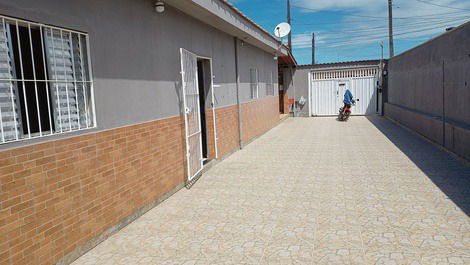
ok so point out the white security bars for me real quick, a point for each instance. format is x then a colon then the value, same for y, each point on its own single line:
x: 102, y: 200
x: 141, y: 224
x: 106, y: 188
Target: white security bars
x: 192, y: 113
x: 254, y: 82
x: 269, y: 84
x: 345, y: 73
x: 46, y: 85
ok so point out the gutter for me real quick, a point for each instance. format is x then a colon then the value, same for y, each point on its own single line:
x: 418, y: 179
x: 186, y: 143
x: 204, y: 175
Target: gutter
x: 237, y: 74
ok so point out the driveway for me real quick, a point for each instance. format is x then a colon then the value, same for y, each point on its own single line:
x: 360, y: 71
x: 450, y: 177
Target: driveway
x: 311, y: 191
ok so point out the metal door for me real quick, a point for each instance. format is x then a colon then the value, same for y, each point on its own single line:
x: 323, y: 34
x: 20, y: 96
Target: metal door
x: 341, y: 87
x: 324, y: 97
x: 191, y: 113
x: 364, y: 91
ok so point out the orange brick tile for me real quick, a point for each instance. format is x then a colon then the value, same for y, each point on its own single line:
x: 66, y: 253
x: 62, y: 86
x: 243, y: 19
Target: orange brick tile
x: 80, y: 186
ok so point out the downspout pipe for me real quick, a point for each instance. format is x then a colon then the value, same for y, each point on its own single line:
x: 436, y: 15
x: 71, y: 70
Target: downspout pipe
x: 237, y: 75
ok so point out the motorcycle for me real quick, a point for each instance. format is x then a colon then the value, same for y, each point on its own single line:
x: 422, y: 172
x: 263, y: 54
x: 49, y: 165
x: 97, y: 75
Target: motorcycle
x: 345, y: 112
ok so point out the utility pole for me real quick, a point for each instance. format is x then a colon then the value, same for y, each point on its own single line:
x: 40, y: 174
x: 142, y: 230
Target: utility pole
x: 313, y: 48
x: 289, y: 21
x: 390, y: 27
x: 382, y: 47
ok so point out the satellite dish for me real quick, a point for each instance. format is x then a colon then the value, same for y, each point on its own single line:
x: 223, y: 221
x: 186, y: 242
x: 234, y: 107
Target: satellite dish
x: 282, y: 30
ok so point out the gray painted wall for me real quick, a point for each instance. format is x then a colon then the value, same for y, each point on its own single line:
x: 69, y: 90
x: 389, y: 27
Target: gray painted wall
x: 250, y: 57
x: 429, y: 90
x: 298, y: 88
x: 135, y: 56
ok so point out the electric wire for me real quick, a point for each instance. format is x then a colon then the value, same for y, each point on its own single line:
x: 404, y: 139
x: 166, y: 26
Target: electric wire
x: 385, y: 27
x: 365, y: 16
x: 362, y: 21
x: 349, y: 48
x: 361, y: 37
x: 444, y: 6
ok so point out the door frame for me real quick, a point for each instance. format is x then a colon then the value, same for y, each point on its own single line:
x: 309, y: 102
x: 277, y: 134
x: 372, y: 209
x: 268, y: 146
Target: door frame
x: 213, y: 101
x: 340, y: 93
x: 189, y: 176
x: 310, y: 94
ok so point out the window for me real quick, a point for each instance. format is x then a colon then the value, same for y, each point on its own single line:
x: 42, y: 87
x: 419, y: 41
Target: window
x: 254, y: 83
x: 45, y: 81
x: 269, y: 84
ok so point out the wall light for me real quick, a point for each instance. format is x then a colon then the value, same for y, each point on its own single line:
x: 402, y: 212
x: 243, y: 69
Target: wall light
x: 159, y: 7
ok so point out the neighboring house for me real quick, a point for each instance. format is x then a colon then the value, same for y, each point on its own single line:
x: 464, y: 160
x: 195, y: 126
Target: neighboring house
x: 322, y: 86
x: 108, y: 107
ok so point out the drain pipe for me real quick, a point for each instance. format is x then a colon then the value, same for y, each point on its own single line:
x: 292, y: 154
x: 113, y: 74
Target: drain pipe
x: 237, y: 74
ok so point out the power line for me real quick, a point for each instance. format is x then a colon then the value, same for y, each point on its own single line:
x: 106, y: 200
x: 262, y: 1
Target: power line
x: 340, y: 48
x: 332, y: 11
x: 365, y: 16
x: 375, y: 38
x: 376, y: 19
x: 379, y: 28
x: 367, y: 36
x: 338, y: 42
x: 434, y: 4
x: 366, y: 20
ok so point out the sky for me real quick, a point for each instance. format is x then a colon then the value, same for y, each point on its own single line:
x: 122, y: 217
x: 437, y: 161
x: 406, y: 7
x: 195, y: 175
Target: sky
x: 348, y: 30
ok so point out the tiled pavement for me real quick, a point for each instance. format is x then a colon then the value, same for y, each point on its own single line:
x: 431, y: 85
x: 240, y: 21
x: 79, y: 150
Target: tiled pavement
x: 311, y: 191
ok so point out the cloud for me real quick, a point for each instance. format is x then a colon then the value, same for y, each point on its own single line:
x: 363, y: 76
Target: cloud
x: 413, y: 20
x: 336, y: 4
x: 371, y: 7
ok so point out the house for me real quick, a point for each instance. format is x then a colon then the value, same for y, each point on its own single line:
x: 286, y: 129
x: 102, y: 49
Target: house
x: 109, y: 107
x: 318, y: 89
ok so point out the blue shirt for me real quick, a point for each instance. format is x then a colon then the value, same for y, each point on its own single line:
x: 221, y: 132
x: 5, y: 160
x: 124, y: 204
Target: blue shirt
x: 348, y: 97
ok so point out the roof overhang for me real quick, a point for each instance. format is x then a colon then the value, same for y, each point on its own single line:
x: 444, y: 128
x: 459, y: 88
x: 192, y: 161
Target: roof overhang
x: 287, y: 60
x: 223, y: 16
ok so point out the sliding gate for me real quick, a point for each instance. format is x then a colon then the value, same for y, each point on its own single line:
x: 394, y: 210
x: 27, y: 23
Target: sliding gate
x: 328, y: 86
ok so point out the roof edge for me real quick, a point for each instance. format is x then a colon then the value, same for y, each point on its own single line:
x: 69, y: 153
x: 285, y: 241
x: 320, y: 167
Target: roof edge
x: 253, y: 23
x: 374, y: 61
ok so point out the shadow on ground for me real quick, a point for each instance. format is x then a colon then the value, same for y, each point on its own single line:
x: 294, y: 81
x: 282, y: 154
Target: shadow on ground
x: 449, y: 174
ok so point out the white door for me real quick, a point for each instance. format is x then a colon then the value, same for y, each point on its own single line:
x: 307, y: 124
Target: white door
x: 191, y: 113
x: 324, y: 97
x: 364, y: 91
x: 342, y: 85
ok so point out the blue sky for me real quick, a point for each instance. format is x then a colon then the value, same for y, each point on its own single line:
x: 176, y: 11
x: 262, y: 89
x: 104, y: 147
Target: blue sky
x: 353, y: 29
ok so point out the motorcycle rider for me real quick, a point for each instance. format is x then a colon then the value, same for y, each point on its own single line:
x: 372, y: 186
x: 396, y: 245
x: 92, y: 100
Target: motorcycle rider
x: 348, y: 99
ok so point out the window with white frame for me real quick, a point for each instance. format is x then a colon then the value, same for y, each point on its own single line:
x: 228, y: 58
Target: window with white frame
x: 269, y: 84
x: 254, y: 83
x: 46, y: 86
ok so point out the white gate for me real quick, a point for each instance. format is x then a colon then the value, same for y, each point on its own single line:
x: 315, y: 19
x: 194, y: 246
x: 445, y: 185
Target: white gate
x: 328, y: 86
x: 191, y: 113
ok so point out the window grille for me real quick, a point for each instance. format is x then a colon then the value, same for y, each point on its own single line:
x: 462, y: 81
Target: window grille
x: 254, y: 82
x: 269, y: 84
x: 46, y: 85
